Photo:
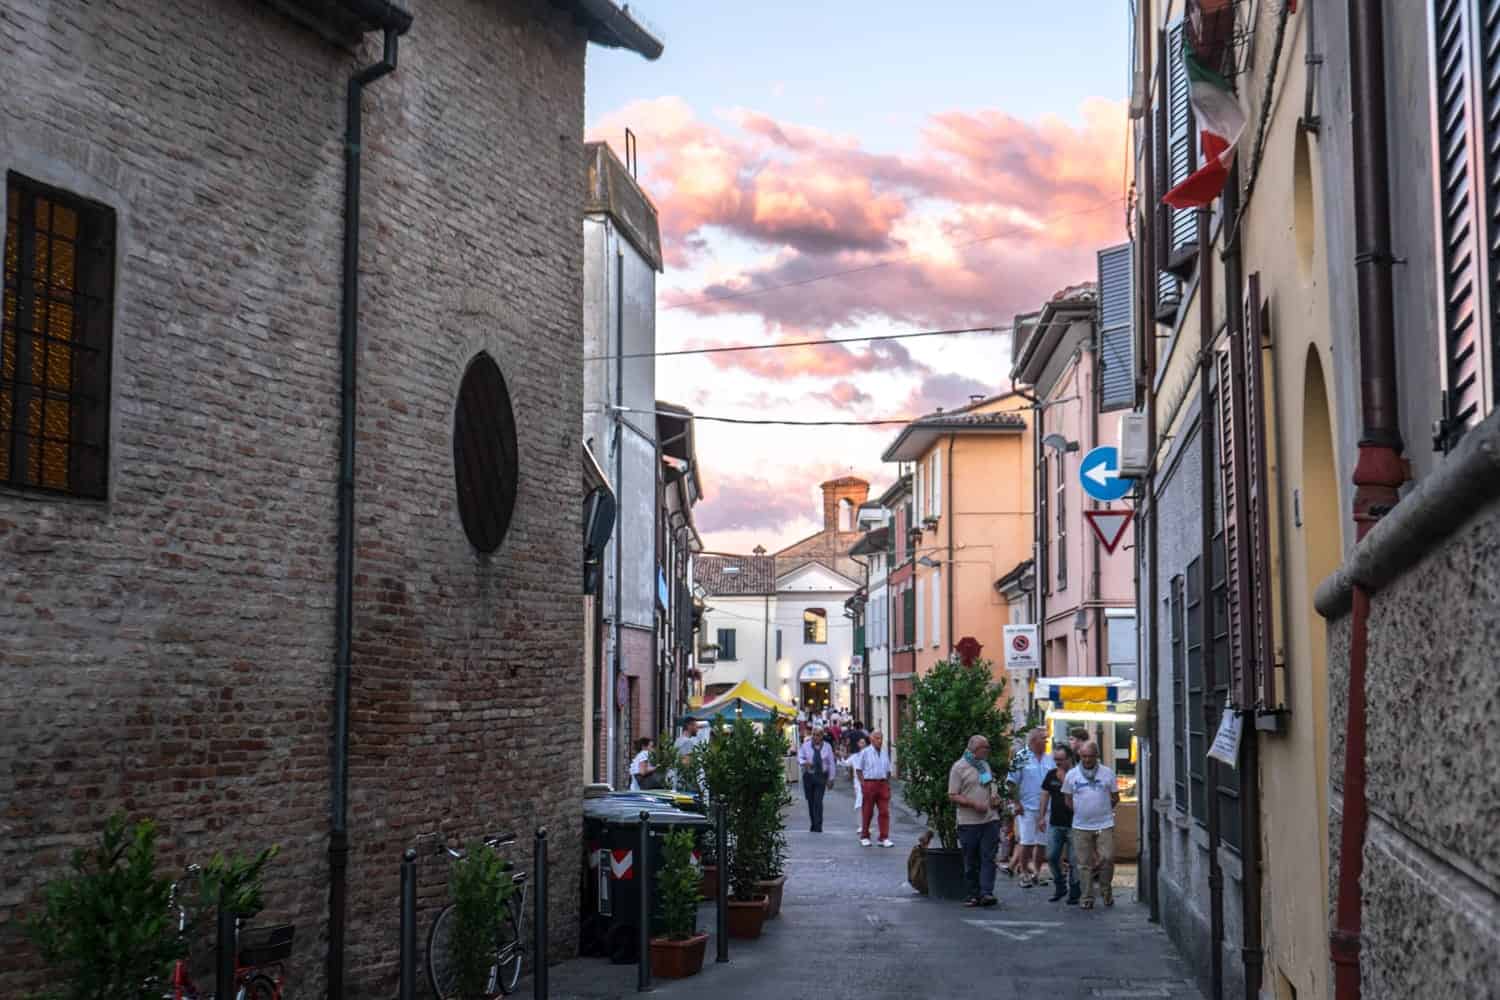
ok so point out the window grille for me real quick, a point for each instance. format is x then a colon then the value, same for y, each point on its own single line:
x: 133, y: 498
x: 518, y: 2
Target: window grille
x: 55, y: 338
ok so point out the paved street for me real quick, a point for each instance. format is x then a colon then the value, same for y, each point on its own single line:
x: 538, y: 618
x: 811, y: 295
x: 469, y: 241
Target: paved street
x: 849, y: 927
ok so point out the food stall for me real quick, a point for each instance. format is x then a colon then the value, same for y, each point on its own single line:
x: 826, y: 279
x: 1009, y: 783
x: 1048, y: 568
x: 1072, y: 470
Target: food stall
x: 1105, y: 706
x: 748, y: 701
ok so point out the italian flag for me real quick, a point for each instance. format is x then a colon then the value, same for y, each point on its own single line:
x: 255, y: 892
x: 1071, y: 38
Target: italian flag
x: 1220, y: 125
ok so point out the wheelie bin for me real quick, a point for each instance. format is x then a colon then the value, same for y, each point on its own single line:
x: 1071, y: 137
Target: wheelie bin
x: 610, y: 915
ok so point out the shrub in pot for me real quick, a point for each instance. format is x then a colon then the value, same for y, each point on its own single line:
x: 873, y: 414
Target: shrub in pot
x: 109, y: 929
x: 480, y: 883
x: 742, y: 772
x: 679, y: 951
x: 950, y: 703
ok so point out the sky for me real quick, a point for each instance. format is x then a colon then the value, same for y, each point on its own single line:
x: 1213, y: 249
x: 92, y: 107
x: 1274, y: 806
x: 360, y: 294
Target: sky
x: 826, y: 169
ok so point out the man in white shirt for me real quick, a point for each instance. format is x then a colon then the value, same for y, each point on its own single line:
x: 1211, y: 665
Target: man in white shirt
x: 1026, y: 775
x: 1092, y: 794
x: 872, y: 772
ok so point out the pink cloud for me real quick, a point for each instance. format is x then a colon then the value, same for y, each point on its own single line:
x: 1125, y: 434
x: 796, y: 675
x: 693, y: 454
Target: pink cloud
x: 830, y: 361
x: 989, y: 216
x: 944, y: 391
x: 843, y: 395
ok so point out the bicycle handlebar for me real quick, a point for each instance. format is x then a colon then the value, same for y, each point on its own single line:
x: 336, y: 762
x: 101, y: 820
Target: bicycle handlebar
x: 492, y: 841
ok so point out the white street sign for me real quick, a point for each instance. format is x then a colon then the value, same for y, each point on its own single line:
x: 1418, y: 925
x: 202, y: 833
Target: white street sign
x: 1022, y: 651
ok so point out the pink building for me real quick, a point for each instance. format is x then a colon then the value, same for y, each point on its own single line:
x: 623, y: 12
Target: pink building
x: 1080, y: 371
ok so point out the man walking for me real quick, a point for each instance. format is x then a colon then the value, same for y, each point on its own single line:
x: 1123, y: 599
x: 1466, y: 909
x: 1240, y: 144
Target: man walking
x: 816, y: 757
x: 872, y: 771
x: 1091, y: 793
x: 1027, y: 777
x: 972, y: 788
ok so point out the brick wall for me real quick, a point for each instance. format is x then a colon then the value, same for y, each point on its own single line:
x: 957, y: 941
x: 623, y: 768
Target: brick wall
x: 169, y: 652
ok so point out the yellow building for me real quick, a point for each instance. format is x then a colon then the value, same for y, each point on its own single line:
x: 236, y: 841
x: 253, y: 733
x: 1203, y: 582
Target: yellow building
x: 971, y: 520
x: 1239, y: 510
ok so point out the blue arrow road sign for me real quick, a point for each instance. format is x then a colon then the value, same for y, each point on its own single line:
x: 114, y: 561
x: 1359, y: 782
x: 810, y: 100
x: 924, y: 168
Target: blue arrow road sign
x: 1100, y: 472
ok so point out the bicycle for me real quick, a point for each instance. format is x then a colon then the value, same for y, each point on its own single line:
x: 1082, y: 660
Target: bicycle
x: 510, y: 949
x: 261, y: 950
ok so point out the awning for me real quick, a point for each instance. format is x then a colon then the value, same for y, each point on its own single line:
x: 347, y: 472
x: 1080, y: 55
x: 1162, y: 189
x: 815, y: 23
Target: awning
x: 753, y: 698
x: 734, y: 708
x: 1087, y: 694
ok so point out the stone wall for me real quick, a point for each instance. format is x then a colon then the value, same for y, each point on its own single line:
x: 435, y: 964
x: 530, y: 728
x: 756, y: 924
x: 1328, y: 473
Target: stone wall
x: 168, y: 652
x: 1431, y: 881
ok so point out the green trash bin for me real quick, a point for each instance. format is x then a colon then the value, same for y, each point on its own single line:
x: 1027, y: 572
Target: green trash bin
x: 610, y: 920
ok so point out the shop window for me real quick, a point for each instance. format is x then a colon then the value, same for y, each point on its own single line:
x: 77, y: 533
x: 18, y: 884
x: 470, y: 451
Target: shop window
x: 815, y: 626
x: 55, y: 337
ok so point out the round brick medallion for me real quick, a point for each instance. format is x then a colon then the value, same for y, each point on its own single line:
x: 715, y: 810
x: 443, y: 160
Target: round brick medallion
x: 485, y: 469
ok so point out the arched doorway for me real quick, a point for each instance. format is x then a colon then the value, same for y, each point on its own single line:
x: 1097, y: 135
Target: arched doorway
x: 1321, y: 539
x: 815, y: 688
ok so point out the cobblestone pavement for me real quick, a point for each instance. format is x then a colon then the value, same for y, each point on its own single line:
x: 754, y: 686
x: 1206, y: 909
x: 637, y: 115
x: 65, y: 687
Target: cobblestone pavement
x: 851, y: 927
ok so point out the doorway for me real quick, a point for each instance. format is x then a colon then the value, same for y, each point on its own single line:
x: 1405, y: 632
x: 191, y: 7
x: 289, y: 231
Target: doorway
x: 814, y: 696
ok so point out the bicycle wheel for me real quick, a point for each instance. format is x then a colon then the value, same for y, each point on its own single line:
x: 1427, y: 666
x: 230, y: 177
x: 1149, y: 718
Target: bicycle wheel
x: 509, y: 952
x: 260, y: 987
x: 442, y: 971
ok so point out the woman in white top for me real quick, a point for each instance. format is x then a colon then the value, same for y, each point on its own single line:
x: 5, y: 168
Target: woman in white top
x: 640, y: 766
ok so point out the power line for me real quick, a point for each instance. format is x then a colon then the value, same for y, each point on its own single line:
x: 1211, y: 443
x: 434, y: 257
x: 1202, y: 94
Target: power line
x: 765, y: 289
x: 766, y: 423
x: 798, y: 343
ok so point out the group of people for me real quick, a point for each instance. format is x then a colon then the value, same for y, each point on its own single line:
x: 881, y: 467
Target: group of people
x: 1064, y: 804
x: 869, y: 763
x: 644, y: 775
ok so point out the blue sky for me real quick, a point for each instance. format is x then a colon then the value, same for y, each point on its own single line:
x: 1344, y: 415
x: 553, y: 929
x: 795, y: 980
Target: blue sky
x: 966, y: 158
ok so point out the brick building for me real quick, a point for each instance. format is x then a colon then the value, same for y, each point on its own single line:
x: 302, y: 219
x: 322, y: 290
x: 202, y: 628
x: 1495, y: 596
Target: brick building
x: 171, y: 415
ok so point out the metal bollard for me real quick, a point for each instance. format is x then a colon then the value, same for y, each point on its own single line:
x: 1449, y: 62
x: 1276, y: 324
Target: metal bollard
x: 721, y: 848
x: 228, y: 944
x: 539, y: 921
x: 408, y: 924
x: 643, y: 870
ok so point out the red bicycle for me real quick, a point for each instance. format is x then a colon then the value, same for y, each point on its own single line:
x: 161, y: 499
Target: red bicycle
x: 258, y: 969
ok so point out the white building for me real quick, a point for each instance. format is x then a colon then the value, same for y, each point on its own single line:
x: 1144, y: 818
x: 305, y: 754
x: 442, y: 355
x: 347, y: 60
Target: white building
x: 874, y: 550
x: 786, y: 634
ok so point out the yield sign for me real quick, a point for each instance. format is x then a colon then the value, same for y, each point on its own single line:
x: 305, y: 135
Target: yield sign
x: 1109, y: 526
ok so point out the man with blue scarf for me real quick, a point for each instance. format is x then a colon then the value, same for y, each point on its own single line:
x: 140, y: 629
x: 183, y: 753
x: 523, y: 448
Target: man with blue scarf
x: 973, y: 790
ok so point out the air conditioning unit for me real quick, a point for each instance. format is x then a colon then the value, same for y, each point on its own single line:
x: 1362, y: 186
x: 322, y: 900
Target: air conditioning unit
x: 1135, y: 449
x: 1139, y: 95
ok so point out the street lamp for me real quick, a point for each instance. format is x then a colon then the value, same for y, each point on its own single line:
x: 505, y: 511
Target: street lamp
x: 1059, y: 443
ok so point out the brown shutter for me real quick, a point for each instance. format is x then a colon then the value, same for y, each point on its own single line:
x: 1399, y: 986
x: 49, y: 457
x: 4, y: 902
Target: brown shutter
x: 1466, y: 230
x: 1258, y: 494
x: 1231, y: 476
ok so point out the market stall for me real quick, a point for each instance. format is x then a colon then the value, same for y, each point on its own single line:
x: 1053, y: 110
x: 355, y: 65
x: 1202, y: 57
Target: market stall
x: 1105, y: 706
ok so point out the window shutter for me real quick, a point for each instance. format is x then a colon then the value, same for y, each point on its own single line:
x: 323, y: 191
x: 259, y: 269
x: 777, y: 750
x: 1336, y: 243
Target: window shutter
x: 1258, y: 488
x: 1234, y: 569
x: 1466, y: 122
x: 1181, y: 143
x: 917, y: 493
x: 937, y: 607
x: 937, y: 484
x: 1116, y: 328
x: 921, y: 616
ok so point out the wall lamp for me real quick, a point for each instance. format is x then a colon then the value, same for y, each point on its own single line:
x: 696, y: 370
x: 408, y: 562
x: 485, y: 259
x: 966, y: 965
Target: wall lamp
x: 1059, y: 443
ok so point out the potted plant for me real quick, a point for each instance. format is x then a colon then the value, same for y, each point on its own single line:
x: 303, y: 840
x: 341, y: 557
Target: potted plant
x: 770, y: 826
x: 109, y: 929
x: 950, y: 703
x: 679, y: 952
x: 480, y: 883
x: 740, y: 774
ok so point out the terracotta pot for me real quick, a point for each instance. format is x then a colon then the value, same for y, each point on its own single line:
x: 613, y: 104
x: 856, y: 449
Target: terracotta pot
x: 747, y: 917
x: 677, y: 959
x: 772, y: 888
x: 708, y: 886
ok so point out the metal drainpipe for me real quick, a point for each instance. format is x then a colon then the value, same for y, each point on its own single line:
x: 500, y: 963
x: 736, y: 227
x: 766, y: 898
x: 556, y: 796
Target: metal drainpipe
x: 395, y: 23
x: 1234, y: 309
x: 952, y: 639
x: 611, y: 702
x: 1100, y: 639
x: 1146, y: 391
x: 1206, y: 429
x: 1380, y: 471
x: 765, y: 643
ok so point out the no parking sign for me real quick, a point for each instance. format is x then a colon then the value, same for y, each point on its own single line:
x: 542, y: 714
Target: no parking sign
x: 1021, y: 651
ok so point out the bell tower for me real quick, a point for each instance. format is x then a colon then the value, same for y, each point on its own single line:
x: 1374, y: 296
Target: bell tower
x: 843, y: 496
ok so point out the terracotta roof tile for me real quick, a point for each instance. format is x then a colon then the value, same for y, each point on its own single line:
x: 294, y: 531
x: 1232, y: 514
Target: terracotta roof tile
x: 730, y: 576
